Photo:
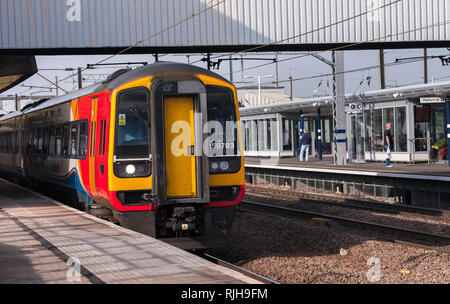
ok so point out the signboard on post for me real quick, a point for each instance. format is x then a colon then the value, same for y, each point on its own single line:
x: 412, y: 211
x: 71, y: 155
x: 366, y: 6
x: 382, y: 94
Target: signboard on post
x: 427, y: 100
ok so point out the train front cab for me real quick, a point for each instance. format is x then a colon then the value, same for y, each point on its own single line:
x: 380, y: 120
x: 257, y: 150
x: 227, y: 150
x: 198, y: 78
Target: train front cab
x: 168, y: 181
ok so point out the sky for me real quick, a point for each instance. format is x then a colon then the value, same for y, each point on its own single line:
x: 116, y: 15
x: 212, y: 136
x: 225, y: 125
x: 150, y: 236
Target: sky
x: 303, y: 67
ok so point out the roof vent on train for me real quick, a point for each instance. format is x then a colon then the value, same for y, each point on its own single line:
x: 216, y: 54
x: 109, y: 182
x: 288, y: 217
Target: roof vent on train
x: 116, y: 74
x: 34, y: 104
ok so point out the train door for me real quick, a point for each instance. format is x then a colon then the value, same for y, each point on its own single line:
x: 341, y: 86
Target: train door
x: 102, y: 135
x: 93, y: 146
x: 179, y: 133
x: 180, y: 168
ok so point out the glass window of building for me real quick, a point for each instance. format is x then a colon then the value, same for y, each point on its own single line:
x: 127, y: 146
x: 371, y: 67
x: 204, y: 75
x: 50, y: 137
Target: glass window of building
x: 268, y: 134
x: 378, y: 130
x: 254, y: 136
x: 368, y: 131
x: 286, y: 133
x: 261, y: 134
x: 274, y: 132
x: 245, y: 127
x: 421, y: 127
x: 327, y: 134
x: 438, y: 123
x: 388, y: 117
x: 401, y: 140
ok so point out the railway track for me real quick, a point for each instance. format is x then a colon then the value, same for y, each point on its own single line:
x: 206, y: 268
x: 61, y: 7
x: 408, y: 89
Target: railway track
x: 398, y: 209
x: 399, y: 235
x: 223, y: 263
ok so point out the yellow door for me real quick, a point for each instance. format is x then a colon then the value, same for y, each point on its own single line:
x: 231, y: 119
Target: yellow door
x: 179, y: 143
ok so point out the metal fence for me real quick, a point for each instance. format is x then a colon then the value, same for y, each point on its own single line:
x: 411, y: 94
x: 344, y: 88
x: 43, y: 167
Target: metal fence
x: 384, y: 192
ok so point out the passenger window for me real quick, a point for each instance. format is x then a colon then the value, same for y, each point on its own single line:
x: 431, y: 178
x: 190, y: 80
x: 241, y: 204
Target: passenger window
x: 83, y: 139
x: 46, y: 139
x: 35, y: 140
x: 23, y: 141
x: 66, y: 135
x: 30, y: 141
x: 73, y: 139
x: 52, y: 143
x: 59, y: 140
x: 16, y: 142
x: 40, y: 141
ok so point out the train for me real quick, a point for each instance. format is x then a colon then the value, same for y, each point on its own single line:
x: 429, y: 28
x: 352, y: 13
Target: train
x: 157, y: 149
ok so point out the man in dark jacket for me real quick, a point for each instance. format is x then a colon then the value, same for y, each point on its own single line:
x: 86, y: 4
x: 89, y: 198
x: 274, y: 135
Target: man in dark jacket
x: 388, y: 144
x: 305, y: 144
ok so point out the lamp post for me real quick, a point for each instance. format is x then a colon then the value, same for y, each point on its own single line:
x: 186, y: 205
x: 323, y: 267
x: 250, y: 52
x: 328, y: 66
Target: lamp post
x: 259, y: 84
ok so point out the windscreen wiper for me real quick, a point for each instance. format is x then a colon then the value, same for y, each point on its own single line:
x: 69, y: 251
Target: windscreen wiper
x: 138, y: 116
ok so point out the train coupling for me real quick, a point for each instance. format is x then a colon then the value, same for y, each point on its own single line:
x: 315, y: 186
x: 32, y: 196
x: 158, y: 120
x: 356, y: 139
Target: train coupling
x: 183, y: 219
x: 177, y: 227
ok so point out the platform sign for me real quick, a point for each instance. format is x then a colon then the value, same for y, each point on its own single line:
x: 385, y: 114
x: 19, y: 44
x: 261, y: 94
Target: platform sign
x: 427, y: 100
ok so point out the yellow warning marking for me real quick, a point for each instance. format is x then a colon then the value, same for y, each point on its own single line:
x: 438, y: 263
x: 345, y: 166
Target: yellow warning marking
x: 122, y: 120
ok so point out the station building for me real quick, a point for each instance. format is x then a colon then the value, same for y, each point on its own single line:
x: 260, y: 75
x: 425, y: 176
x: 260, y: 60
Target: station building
x: 417, y: 113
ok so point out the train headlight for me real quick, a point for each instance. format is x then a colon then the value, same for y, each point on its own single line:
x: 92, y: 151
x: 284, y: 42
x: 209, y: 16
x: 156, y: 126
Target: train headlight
x: 214, y: 166
x: 130, y: 169
x: 224, y: 165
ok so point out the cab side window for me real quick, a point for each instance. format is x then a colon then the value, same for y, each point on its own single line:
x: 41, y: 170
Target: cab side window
x: 83, y: 139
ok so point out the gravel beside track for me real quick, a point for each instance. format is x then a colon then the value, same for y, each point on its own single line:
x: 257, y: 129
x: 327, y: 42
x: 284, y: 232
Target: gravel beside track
x: 435, y: 226
x: 296, y: 251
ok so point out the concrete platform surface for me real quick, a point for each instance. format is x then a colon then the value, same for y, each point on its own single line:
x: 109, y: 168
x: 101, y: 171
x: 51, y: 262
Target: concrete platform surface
x: 420, y: 169
x: 43, y: 241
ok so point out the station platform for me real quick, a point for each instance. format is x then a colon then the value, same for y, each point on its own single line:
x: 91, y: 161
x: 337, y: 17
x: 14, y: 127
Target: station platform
x: 424, y: 171
x: 44, y: 241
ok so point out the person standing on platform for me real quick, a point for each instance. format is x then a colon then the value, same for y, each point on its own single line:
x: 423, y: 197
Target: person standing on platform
x: 305, y: 144
x: 388, y: 144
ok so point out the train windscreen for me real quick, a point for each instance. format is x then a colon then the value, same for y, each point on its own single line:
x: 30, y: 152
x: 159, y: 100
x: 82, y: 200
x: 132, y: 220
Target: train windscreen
x: 222, y: 125
x: 133, y: 127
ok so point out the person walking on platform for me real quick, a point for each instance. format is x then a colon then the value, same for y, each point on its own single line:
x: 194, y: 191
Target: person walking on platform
x: 305, y: 144
x: 388, y: 144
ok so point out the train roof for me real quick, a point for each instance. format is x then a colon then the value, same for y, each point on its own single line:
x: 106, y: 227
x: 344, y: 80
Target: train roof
x: 158, y: 69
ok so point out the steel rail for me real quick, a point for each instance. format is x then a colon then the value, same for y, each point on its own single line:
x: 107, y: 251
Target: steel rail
x: 395, y: 234
x: 238, y: 269
x: 398, y: 209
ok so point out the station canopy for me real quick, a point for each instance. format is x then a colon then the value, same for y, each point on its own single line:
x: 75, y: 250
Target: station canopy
x: 15, y: 69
